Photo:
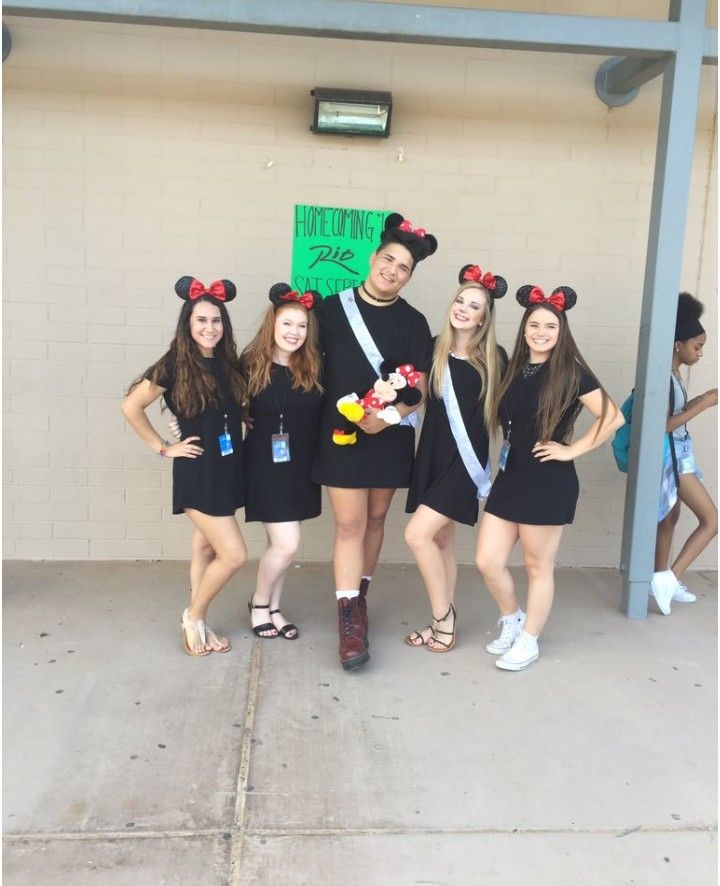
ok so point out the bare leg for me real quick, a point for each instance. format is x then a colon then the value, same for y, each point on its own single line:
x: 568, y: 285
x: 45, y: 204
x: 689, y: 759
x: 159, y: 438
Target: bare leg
x: 433, y: 562
x: 496, y: 540
x: 539, y: 547
x: 350, y: 508
x: 283, y: 541
x: 224, y: 536
x: 445, y: 540
x: 664, y: 537
x: 378, y: 505
x: 202, y: 555
x: 693, y: 494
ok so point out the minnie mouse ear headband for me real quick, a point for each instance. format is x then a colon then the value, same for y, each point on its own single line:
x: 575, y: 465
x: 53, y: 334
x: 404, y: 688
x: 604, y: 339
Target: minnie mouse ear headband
x: 494, y: 283
x: 280, y: 294
x: 562, y: 299
x: 417, y: 241
x: 688, y: 323
x: 190, y: 289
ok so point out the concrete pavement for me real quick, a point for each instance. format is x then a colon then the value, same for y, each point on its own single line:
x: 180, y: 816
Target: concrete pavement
x: 127, y: 762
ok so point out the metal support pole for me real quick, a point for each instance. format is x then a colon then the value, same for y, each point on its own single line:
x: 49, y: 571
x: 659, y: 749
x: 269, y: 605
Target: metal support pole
x: 671, y: 187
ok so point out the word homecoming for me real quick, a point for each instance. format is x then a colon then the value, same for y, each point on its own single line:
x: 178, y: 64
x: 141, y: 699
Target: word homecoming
x: 326, y: 221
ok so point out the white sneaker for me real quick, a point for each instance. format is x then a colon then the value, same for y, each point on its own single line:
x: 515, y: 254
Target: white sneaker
x: 510, y: 625
x: 521, y: 654
x: 682, y: 595
x: 662, y: 586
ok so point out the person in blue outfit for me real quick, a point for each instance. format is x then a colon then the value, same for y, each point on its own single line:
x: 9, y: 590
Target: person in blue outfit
x: 682, y: 479
x: 199, y: 379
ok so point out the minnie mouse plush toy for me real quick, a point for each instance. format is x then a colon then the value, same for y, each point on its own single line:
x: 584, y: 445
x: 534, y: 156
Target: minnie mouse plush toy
x: 397, y: 384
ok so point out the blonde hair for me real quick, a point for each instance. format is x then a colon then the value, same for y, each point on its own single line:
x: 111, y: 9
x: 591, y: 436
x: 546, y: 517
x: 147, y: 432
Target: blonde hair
x: 482, y: 354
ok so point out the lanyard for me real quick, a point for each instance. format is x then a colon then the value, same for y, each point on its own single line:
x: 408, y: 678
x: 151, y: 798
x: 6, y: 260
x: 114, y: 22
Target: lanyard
x: 676, y: 378
x: 281, y: 406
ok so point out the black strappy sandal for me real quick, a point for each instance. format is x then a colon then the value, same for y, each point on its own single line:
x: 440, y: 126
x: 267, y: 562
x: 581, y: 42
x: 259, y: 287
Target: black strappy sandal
x: 286, y: 629
x: 268, y: 626
x: 418, y: 635
x: 446, y: 646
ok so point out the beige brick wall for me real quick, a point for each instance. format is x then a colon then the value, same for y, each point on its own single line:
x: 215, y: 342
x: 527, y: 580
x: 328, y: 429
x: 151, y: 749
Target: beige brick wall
x: 134, y: 155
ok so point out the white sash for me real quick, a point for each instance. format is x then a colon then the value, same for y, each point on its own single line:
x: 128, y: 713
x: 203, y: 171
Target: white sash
x: 365, y: 340
x: 478, y: 474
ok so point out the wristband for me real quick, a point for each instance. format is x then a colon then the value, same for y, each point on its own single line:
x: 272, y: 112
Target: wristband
x: 162, y: 451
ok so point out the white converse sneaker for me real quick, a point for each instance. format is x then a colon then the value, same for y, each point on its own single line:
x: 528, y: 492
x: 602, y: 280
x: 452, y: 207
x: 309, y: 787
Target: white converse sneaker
x: 682, y: 595
x: 510, y: 625
x: 521, y: 654
x: 662, y: 586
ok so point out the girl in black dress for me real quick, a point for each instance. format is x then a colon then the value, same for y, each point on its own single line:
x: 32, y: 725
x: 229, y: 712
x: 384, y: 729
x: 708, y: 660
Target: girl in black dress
x: 199, y: 378
x: 362, y: 478
x: 452, y: 468
x: 281, y: 366
x: 536, y: 490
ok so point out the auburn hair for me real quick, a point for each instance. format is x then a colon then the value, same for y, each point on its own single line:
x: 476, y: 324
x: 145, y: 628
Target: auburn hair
x: 305, y: 364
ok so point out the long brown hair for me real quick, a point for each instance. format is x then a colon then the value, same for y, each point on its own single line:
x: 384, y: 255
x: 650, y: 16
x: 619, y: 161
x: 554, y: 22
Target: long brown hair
x: 560, y: 390
x: 305, y: 364
x: 194, y: 387
x: 482, y: 354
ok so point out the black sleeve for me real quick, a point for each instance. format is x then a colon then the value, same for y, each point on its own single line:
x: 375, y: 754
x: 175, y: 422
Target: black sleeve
x: 588, y: 383
x: 165, y: 378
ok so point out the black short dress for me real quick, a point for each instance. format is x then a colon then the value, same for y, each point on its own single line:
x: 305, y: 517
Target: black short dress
x: 376, y: 461
x: 528, y: 490
x: 280, y: 492
x: 440, y: 479
x: 211, y: 483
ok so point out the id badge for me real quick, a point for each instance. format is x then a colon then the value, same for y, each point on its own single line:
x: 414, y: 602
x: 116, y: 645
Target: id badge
x: 280, y: 447
x: 686, y: 459
x: 226, y: 447
x: 504, y: 452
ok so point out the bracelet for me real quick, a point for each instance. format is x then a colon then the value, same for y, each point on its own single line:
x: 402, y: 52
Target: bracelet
x: 162, y: 451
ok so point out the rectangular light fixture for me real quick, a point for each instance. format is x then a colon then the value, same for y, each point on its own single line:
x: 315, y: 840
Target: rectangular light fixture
x: 351, y: 112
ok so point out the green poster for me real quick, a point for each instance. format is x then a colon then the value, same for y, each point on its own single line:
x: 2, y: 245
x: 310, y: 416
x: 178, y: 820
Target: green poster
x: 332, y: 245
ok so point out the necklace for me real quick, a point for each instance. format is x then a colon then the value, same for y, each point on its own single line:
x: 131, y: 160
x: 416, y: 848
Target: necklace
x: 458, y: 356
x: 678, y: 379
x: 382, y: 301
x: 531, y: 369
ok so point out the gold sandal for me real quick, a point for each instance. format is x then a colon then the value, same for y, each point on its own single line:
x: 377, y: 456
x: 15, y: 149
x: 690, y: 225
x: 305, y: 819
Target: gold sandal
x: 222, y: 642
x: 199, y: 626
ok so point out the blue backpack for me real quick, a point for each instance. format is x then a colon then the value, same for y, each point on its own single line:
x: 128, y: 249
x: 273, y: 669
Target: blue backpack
x: 621, y: 440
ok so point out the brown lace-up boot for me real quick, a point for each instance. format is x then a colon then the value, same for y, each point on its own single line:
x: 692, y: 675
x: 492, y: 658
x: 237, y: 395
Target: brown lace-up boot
x: 353, y: 651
